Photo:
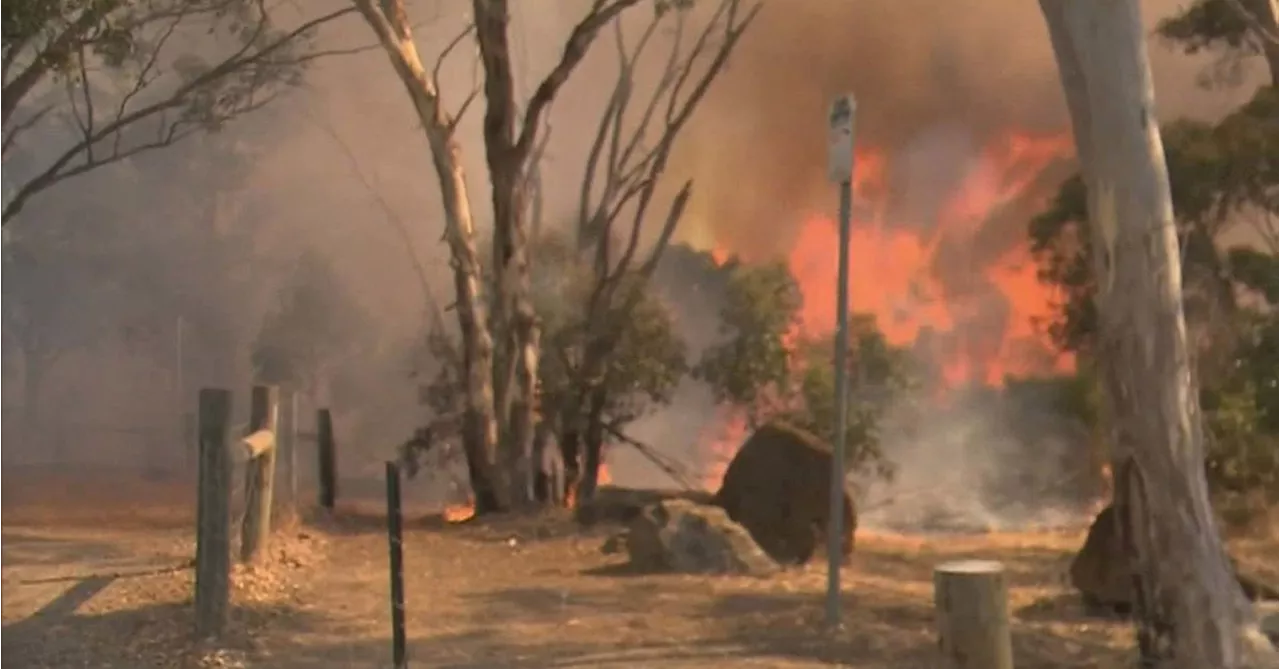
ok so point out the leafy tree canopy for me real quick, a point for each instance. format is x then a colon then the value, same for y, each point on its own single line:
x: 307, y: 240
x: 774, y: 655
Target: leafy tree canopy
x: 1223, y: 179
x: 766, y: 369
x: 645, y: 366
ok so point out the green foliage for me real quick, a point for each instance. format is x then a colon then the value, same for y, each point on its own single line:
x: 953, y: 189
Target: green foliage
x: 1060, y: 243
x: 762, y: 305
x: 880, y: 379
x: 1233, y: 29
x: 1221, y: 176
x: 1255, y: 271
x: 763, y: 370
x: 648, y: 362
x: 1240, y: 413
x: 1207, y: 24
x: 647, y: 359
x: 1218, y: 173
x: 311, y: 328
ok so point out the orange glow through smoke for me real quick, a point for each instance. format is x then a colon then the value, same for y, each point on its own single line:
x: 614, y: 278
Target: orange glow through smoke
x: 891, y: 274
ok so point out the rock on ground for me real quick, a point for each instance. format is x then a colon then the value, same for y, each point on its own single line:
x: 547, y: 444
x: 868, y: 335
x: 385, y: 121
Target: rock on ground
x: 1269, y: 620
x: 777, y: 486
x: 1100, y: 570
x: 686, y: 537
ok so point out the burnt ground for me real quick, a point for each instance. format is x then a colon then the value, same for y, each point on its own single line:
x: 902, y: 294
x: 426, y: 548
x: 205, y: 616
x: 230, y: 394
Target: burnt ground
x: 96, y: 574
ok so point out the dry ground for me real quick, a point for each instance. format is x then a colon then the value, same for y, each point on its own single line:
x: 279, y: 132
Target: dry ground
x: 95, y: 575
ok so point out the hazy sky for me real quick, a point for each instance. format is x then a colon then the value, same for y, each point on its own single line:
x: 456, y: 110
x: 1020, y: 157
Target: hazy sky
x: 755, y: 149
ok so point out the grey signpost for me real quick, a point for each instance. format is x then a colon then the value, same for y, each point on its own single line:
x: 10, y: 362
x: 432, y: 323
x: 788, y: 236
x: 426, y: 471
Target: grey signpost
x: 840, y: 170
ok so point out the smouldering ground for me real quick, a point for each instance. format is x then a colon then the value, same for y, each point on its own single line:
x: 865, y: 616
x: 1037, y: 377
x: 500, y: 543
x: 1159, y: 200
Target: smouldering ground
x: 510, y: 593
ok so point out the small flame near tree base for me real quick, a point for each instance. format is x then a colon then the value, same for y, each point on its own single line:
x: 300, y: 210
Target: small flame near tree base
x: 460, y: 513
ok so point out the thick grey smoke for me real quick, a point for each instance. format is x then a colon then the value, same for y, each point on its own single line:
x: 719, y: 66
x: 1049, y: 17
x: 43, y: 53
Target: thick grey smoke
x: 343, y: 170
x: 934, y: 84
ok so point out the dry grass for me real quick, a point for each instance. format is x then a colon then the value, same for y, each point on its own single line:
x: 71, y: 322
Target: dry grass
x: 531, y: 592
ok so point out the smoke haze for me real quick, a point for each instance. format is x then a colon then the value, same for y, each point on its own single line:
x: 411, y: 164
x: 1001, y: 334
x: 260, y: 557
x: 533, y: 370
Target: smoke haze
x: 342, y: 169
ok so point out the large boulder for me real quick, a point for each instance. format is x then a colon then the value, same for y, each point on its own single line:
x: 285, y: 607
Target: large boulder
x: 777, y: 486
x: 1100, y: 570
x: 682, y: 536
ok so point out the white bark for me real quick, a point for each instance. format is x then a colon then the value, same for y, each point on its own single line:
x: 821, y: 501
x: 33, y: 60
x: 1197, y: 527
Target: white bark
x: 479, y: 430
x: 510, y: 145
x: 1191, y: 613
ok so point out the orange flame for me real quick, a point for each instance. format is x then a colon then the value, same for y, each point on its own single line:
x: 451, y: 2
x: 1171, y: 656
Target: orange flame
x: 890, y: 263
x: 459, y: 513
x: 604, y: 477
x: 892, y: 275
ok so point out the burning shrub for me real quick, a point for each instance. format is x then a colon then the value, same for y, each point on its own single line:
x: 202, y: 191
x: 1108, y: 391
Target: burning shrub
x: 768, y: 366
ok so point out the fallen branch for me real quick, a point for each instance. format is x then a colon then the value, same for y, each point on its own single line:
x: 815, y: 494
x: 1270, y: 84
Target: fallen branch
x: 112, y: 575
x: 667, y: 465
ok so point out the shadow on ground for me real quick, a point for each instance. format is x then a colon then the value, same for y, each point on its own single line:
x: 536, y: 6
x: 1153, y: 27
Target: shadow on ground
x: 750, y: 630
x: 149, y: 635
x: 21, y: 549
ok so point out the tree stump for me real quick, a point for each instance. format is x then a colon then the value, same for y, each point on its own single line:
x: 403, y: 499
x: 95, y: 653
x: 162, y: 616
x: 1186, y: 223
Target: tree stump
x: 971, y: 599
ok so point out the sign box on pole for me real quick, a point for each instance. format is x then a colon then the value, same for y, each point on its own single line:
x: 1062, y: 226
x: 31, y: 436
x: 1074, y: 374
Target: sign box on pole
x: 840, y: 140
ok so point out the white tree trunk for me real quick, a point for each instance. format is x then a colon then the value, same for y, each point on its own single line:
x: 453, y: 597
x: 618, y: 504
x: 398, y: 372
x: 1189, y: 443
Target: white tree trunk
x: 1191, y: 613
x: 479, y: 429
x: 1270, y: 30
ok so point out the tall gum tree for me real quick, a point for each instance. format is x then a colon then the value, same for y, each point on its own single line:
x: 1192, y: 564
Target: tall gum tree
x: 479, y: 426
x: 510, y: 147
x: 625, y: 164
x: 1189, y: 611
x: 500, y: 345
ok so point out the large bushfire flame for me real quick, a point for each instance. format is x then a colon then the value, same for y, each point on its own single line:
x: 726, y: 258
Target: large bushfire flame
x: 894, y: 277
x: 893, y: 274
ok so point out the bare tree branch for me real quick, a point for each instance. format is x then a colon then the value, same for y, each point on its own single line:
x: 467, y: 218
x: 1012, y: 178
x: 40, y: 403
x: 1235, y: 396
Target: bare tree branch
x: 15, y: 90
x: 232, y: 87
x: 475, y: 85
x: 19, y: 127
x: 678, y: 472
x: 625, y: 163
x: 1263, y: 31
x: 631, y: 176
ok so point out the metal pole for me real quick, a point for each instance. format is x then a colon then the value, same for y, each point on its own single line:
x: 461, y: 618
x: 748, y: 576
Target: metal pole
x: 293, y: 450
x: 842, y: 164
x: 834, y: 537
x: 395, y: 541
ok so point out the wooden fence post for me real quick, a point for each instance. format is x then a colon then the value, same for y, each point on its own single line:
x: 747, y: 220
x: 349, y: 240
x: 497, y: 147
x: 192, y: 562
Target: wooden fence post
x: 213, y: 513
x: 395, y: 546
x: 259, y: 479
x: 189, y: 437
x: 971, y: 599
x: 287, y: 438
x: 326, y: 453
